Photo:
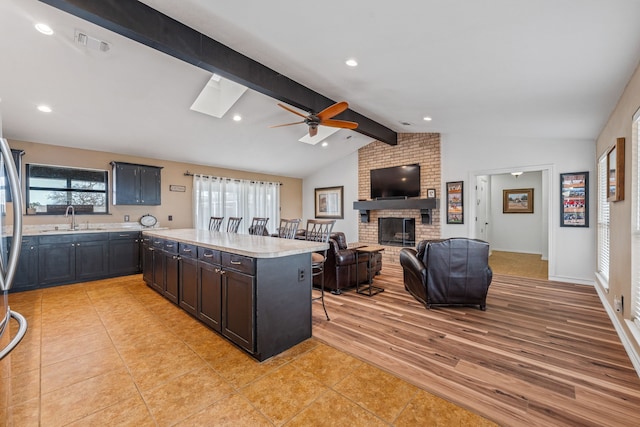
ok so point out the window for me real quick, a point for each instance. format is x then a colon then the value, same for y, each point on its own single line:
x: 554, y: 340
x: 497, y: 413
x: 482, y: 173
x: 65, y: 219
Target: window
x: 635, y: 223
x: 603, y: 222
x: 215, y: 196
x: 50, y: 189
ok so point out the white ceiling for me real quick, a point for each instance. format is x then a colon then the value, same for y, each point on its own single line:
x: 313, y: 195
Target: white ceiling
x: 522, y: 68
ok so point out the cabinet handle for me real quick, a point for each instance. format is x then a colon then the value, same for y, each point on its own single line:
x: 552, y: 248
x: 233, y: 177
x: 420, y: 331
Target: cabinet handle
x: 217, y: 270
x: 124, y: 235
x: 151, y: 249
x: 187, y: 251
x: 169, y: 246
x: 176, y: 257
x: 236, y: 262
x: 208, y: 255
x: 72, y: 244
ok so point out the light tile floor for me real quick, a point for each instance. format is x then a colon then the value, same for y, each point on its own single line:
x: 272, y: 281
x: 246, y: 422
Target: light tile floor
x: 114, y: 352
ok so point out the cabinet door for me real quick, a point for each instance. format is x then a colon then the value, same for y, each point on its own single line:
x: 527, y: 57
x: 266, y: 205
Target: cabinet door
x: 147, y: 264
x: 27, y: 271
x: 158, y: 271
x: 238, y: 309
x: 210, y: 295
x: 92, y: 259
x: 189, y: 285
x: 56, y: 263
x: 127, y: 184
x: 150, y: 188
x: 124, y: 256
x: 171, y: 278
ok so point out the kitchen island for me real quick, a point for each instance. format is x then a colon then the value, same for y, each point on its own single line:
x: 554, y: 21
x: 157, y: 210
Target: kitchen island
x: 253, y: 290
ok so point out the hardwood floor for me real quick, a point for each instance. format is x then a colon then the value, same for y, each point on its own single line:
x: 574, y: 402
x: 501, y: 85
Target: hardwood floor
x: 544, y: 353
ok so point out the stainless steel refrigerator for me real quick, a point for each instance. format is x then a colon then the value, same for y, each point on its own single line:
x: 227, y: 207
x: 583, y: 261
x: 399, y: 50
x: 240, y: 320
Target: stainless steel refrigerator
x: 9, y: 258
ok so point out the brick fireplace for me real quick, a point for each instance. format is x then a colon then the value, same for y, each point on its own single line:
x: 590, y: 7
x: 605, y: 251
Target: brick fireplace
x: 422, y: 148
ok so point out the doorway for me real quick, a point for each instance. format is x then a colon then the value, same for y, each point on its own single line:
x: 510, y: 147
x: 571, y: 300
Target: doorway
x: 486, y: 212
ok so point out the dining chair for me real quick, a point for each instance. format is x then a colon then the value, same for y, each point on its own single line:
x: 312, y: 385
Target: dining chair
x: 215, y: 223
x: 288, y: 228
x: 233, y: 224
x: 258, y: 226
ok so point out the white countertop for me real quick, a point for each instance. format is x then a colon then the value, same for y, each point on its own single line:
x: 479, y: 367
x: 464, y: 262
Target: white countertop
x: 46, y: 229
x: 241, y: 244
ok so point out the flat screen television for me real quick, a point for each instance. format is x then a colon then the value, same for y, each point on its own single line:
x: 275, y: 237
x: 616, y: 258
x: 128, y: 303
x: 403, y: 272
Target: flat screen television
x: 395, y: 182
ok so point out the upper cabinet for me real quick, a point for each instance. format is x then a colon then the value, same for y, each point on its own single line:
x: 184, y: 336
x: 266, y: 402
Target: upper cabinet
x: 135, y: 184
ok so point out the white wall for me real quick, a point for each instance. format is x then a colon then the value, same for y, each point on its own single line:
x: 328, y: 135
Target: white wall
x: 571, y: 250
x: 342, y: 173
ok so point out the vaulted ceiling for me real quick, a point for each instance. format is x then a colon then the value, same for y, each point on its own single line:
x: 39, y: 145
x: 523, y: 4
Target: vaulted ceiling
x: 536, y: 68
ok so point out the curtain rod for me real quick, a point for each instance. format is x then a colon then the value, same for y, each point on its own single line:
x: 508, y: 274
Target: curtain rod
x: 187, y: 173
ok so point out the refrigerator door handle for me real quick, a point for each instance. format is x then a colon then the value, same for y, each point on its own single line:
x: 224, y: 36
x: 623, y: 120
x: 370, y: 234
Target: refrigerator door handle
x: 6, y: 279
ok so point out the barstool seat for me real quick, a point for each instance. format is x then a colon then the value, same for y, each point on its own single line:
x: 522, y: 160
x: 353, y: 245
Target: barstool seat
x: 319, y: 231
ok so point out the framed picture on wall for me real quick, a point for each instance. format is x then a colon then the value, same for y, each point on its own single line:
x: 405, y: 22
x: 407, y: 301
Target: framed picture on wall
x: 574, y: 199
x: 329, y: 202
x: 517, y: 201
x: 615, y: 168
x: 455, y: 207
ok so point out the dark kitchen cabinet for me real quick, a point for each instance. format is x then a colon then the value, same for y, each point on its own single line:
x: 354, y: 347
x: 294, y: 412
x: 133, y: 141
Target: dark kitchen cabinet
x: 26, y: 277
x: 188, y: 282
x: 170, y: 270
x: 210, y: 288
x: 238, y: 308
x: 69, y: 258
x: 135, y: 184
x: 147, y: 260
x: 124, y: 253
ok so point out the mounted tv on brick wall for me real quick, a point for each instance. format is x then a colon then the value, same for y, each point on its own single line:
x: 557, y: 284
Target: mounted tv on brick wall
x: 397, y: 182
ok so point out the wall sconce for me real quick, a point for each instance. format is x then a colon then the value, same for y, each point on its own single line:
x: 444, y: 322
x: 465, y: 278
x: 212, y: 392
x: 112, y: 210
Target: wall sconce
x: 516, y: 174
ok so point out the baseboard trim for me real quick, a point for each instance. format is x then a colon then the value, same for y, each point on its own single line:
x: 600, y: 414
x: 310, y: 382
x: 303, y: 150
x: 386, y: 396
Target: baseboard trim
x: 624, y: 338
x: 572, y: 280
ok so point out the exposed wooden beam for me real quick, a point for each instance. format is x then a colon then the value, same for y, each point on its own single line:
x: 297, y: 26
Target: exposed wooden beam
x: 139, y: 22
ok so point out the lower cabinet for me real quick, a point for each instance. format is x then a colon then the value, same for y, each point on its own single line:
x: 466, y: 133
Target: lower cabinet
x: 124, y: 253
x: 238, y: 308
x: 26, y: 277
x: 188, y: 281
x: 221, y: 289
x: 60, y: 259
x: 70, y: 258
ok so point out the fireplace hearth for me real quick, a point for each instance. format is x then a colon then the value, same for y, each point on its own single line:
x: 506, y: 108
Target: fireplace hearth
x: 397, y: 231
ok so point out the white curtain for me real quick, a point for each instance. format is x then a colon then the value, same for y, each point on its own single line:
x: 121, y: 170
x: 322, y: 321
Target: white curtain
x: 216, y: 196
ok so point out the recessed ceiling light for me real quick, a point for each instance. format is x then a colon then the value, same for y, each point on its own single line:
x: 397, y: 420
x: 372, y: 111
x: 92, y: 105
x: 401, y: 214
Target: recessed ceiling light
x: 44, y: 28
x: 351, y: 62
x: 426, y: 119
x: 237, y: 118
x: 44, y: 108
x: 325, y: 144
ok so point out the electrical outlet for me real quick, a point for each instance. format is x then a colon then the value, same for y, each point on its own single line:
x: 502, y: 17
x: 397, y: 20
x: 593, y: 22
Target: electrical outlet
x: 618, y: 303
x: 301, y: 274
x: 170, y: 217
x: 126, y: 218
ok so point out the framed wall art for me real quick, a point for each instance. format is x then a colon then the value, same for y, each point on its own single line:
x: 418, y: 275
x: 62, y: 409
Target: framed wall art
x: 517, y: 200
x: 455, y: 207
x: 615, y: 168
x: 329, y: 203
x: 431, y: 193
x: 574, y: 199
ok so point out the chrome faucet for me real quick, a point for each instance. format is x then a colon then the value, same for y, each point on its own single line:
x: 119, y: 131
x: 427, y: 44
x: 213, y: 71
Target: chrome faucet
x: 73, y: 216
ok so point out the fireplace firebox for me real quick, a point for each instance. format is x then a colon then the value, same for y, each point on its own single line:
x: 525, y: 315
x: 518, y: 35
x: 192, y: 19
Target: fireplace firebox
x: 397, y: 231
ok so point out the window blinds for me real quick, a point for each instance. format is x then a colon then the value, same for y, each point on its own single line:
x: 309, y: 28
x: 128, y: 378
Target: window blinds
x: 603, y: 221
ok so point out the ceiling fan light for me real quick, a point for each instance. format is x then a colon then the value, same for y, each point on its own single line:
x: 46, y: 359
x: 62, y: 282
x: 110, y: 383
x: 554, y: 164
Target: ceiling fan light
x: 516, y: 174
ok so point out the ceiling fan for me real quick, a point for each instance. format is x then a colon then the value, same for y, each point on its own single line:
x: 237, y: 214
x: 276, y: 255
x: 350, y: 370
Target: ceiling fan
x: 323, y: 118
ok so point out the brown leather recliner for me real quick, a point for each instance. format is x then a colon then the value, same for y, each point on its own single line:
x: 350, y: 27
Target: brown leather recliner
x: 448, y: 272
x: 340, y: 266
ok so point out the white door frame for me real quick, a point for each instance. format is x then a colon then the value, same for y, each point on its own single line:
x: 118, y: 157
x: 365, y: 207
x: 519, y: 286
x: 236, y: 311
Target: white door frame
x: 549, y: 195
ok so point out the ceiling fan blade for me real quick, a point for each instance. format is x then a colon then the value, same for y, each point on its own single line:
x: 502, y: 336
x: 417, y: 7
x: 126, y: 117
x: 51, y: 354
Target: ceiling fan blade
x: 339, y: 124
x: 333, y: 110
x: 287, y: 124
x: 292, y: 110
